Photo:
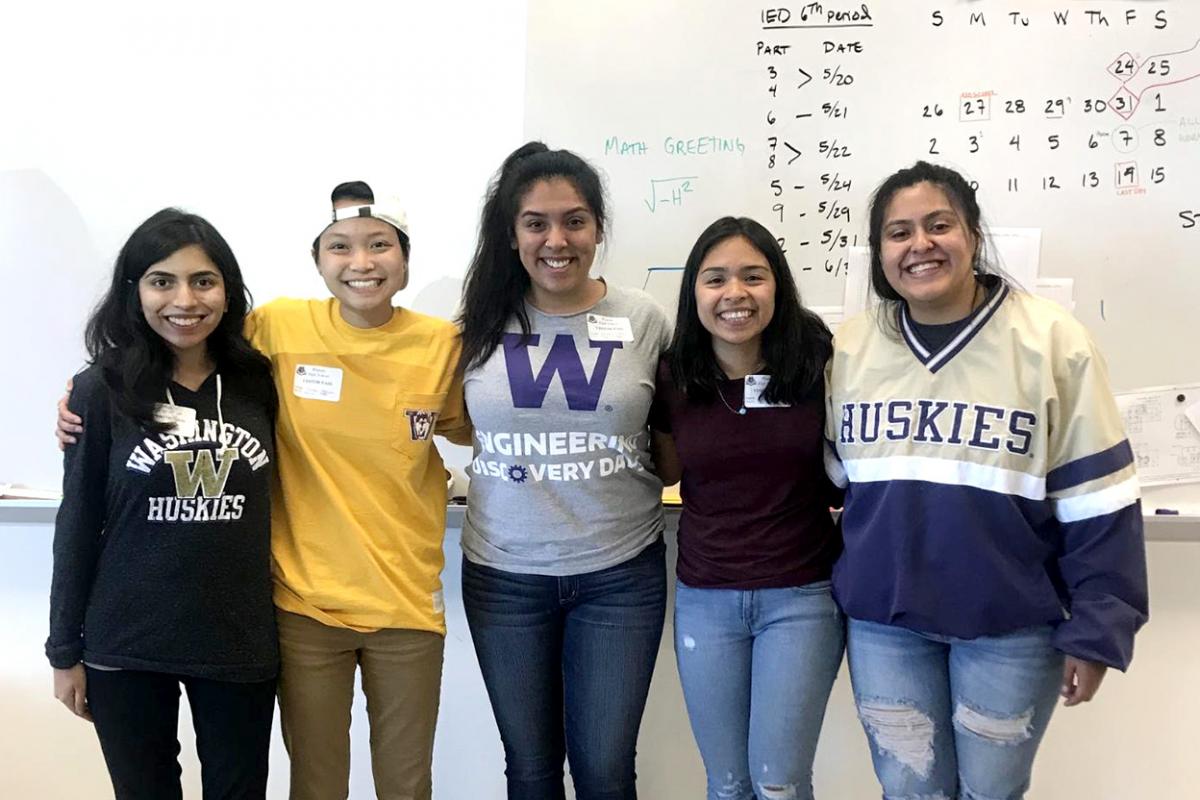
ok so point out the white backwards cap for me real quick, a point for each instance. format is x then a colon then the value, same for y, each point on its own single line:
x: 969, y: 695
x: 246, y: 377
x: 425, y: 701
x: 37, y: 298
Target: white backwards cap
x: 388, y: 209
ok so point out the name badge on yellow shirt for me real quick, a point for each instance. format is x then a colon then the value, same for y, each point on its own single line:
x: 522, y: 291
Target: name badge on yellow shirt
x: 317, y: 383
x: 752, y: 396
x: 609, y: 329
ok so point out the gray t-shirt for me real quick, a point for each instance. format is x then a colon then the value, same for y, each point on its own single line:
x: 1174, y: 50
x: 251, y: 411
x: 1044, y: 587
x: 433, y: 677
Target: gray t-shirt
x: 560, y: 481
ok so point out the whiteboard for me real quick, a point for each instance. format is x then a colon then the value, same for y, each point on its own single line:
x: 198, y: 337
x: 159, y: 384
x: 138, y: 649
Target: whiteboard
x: 245, y: 113
x: 1081, y: 119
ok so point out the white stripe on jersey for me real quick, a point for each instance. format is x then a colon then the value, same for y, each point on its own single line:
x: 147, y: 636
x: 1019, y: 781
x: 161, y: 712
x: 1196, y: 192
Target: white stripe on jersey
x: 1098, y: 503
x: 834, y: 468
x: 913, y: 341
x: 980, y: 318
x: 945, y: 471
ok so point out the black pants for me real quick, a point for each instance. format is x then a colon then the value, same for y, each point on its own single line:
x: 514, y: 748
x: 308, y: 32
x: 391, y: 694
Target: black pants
x: 137, y: 719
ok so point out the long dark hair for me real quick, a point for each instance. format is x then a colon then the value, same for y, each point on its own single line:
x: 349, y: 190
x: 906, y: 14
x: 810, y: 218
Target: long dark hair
x: 795, y: 344
x: 135, y: 362
x: 961, y: 195
x: 496, y: 282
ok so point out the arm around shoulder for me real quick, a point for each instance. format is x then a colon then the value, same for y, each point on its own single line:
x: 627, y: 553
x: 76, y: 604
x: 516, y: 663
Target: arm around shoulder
x: 454, y: 423
x: 666, y: 457
x: 662, y: 442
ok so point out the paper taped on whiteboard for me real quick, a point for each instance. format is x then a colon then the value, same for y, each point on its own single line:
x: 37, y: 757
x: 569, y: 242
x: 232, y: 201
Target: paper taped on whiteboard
x: 1164, y: 435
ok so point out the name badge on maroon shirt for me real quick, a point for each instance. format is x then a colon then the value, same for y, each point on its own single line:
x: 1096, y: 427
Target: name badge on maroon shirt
x: 752, y: 397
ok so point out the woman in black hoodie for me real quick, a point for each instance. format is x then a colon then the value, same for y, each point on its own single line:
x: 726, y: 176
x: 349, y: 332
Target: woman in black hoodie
x: 162, y: 543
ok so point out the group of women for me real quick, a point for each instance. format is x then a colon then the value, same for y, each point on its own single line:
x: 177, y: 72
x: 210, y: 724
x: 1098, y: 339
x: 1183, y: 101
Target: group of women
x: 988, y: 559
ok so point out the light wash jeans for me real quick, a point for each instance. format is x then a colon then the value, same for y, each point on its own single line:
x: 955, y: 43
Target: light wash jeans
x: 952, y: 719
x: 757, y: 667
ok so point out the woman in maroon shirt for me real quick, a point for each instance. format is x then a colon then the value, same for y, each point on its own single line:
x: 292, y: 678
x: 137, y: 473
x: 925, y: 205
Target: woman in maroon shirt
x: 739, y: 415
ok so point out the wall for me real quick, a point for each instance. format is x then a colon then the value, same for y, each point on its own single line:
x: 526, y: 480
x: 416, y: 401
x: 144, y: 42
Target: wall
x: 248, y: 114
x: 1082, y: 119
x: 1137, y: 740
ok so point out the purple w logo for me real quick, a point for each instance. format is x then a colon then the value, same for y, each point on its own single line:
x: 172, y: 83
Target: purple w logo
x: 583, y: 394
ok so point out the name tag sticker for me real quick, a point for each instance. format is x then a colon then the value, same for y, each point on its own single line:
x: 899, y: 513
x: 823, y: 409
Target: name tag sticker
x: 317, y: 383
x: 609, y: 329
x: 181, y: 418
x: 752, y: 397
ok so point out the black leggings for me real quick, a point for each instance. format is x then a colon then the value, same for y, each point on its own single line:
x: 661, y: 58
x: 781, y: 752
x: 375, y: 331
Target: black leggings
x: 137, y: 719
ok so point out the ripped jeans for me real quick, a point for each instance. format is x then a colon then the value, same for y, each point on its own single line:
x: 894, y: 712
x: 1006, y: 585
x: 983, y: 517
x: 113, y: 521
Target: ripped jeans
x: 953, y: 719
x: 757, y: 667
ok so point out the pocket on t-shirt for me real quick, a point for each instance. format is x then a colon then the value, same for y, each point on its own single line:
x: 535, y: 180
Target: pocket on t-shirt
x: 416, y: 416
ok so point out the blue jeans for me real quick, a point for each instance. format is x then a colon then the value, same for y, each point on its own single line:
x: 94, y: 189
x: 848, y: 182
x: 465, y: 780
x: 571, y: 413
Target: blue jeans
x: 953, y: 718
x: 567, y: 664
x: 757, y: 667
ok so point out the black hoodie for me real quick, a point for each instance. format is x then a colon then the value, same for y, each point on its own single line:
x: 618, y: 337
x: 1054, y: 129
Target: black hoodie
x: 162, y: 557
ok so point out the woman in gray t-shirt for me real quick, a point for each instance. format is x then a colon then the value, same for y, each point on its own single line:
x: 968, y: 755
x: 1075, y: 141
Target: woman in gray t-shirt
x: 563, y: 571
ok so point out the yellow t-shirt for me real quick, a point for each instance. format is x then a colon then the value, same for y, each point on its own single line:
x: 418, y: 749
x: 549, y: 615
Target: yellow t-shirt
x: 359, y: 510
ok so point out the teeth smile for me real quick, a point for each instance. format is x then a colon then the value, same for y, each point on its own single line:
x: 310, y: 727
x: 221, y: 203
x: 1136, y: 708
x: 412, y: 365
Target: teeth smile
x: 919, y: 269
x: 184, y: 322
x: 735, y: 315
x: 365, y: 284
x: 556, y: 263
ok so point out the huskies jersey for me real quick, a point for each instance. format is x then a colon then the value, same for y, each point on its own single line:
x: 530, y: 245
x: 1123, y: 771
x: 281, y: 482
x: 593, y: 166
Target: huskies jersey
x: 990, y: 486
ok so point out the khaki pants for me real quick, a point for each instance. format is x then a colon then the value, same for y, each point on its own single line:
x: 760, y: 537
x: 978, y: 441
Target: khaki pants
x: 401, y: 677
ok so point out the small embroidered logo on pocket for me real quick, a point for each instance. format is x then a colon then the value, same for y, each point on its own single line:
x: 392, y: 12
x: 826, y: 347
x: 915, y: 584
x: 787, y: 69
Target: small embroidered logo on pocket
x: 420, y: 423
